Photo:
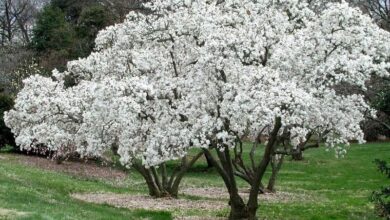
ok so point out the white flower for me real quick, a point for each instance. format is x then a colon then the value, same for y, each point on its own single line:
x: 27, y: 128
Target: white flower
x: 193, y: 73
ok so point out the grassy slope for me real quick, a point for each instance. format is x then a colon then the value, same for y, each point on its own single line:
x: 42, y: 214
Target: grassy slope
x: 336, y: 188
x: 37, y: 194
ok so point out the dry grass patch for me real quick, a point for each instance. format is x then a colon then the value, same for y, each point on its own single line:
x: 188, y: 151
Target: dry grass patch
x: 81, y: 169
x: 198, y: 218
x: 11, y: 214
x: 149, y: 203
x: 277, y: 197
x: 213, y: 199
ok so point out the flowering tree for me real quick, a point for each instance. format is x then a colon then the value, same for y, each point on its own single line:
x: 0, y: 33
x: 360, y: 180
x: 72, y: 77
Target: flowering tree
x: 119, y: 98
x: 206, y: 74
x: 277, y: 66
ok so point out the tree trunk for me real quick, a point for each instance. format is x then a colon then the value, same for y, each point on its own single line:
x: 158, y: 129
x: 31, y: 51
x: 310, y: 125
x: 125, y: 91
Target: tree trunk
x: 154, y: 189
x: 297, y: 154
x: 114, y: 149
x: 162, y: 185
x: 176, y: 178
x: 24, y: 31
x: 238, y: 209
x: 8, y: 20
x: 209, y: 164
x: 276, y: 165
x: 261, y: 168
x: 2, y: 34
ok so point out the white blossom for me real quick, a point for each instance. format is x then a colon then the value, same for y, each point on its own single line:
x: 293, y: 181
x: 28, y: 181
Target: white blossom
x: 194, y: 73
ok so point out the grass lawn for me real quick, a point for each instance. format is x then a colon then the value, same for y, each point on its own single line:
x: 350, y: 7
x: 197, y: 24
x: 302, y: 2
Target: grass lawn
x: 326, y: 188
x: 30, y: 193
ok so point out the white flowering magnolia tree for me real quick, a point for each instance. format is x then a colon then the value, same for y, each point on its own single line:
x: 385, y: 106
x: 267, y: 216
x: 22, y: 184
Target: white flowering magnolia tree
x: 206, y: 74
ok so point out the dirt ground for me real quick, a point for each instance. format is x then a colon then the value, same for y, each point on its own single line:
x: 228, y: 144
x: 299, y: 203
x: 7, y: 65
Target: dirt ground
x: 221, y: 193
x: 212, y: 199
x: 149, y: 203
x: 198, y: 218
x: 81, y: 169
x: 11, y: 214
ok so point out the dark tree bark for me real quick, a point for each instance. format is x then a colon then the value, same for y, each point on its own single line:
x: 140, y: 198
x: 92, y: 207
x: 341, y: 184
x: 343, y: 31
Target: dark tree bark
x: 261, y: 168
x: 23, y: 29
x: 238, y: 209
x: 276, y: 164
x: 8, y: 20
x: 159, y: 183
x: 228, y: 168
x: 297, y: 154
x: 16, y: 17
x: 208, y: 160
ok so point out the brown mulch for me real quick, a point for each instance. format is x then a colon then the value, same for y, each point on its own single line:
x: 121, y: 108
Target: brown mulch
x: 149, y: 203
x: 11, y: 214
x: 82, y: 169
x: 212, y: 199
x: 221, y: 193
x: 198, y: 218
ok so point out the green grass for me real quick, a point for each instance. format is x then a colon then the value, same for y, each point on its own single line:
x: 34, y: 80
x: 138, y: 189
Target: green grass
x: 29, y: 193
x: 335, y: 189
x: 342, y: 186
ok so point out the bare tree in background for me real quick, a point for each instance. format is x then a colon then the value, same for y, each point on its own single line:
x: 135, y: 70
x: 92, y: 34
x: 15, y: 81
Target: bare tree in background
x: 379, y: 10
x: 17, y: 19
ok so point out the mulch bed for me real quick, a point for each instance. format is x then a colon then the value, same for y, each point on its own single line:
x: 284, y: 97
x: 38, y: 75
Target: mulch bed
x: 221, y: 193
x: 81, y: 169
x: 149, y: 203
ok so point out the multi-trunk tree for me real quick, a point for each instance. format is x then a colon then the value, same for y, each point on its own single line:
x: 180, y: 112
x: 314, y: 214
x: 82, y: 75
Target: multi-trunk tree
x: 206, y: 74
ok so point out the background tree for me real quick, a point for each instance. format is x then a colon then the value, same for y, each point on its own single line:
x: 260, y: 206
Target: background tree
x: 51, y: 30
x: 91, y: 20
x: 66, y: 30
x: 53, y: 36
x: 6, y: 136
x: 16, y: 20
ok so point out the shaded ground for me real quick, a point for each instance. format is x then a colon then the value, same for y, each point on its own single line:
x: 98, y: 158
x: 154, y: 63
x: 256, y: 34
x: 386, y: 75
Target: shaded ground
x: 149, y: 203
x: 87, y: 169
x: 198, y: 218
x: 278, y: 197
x: 213, y: 198
x: 209, y: 200
x: 177, y: 206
